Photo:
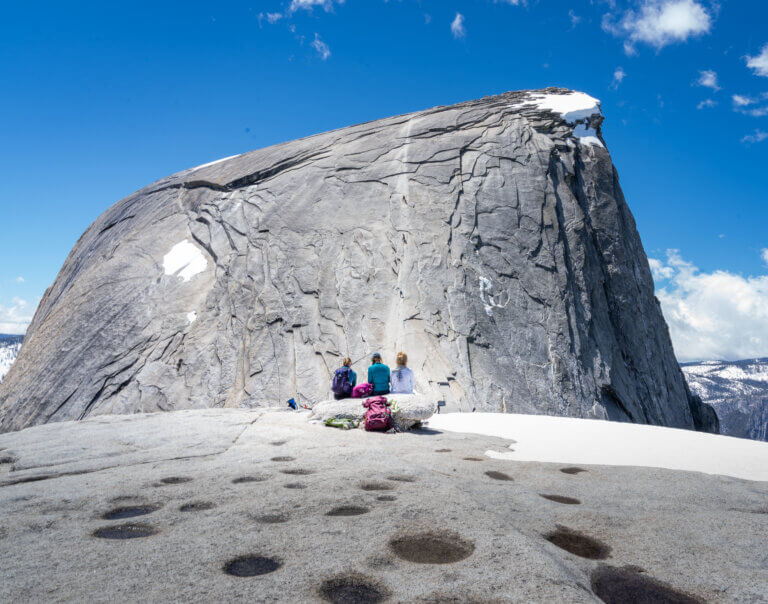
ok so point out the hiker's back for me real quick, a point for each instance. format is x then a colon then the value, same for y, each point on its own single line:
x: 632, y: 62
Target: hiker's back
x: 378, y: 376
x: 402, y: 381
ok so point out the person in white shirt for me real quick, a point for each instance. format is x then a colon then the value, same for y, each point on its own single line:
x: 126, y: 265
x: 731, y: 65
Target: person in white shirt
x: 402, y: 377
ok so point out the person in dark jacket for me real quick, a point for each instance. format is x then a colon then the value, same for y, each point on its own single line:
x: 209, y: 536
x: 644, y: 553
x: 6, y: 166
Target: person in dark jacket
x: 378, y: 375
x: 346, y: 366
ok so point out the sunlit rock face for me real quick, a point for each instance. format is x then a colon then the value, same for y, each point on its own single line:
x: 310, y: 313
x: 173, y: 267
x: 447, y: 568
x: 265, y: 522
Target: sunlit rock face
x: 489, y: 240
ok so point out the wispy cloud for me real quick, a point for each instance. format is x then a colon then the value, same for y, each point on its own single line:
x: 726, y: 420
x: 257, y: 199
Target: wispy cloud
x: 457, y: 26
x: 659, y: 23
x: 717, y: 315
x: 19, y: 279
x: 744, y: 104
x: 618, y: 77
x: 764, y: 255
x: 575, y: 19
x: 757, y: 137
x: 321, y: 47
x: 16, y: 318
x: 310, y: 4
x: 706, y: 104
x: 759, y: 63
x: 708, y: 79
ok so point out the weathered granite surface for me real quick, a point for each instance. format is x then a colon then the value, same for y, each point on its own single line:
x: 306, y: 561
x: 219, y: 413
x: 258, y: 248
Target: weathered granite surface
x: 263, y: 483
x: 486, y: 239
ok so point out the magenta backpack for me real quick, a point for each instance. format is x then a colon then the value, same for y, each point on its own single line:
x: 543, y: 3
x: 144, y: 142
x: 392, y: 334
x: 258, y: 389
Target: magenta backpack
x: 362, y: 390
x: 378, y: 417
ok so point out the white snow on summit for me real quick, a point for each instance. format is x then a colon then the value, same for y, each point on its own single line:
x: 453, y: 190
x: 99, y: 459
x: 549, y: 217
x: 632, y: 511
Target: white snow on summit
x: 576, y: 108
x: 570, y: 440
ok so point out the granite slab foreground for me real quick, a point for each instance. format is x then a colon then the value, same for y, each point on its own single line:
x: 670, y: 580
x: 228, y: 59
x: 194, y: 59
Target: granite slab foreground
x: 325, y: 513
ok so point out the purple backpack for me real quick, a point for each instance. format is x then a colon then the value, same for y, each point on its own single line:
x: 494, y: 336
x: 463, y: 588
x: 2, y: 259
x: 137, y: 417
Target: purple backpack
x: 362, y: 390
x: 378, y: 417
x: 341, y: 384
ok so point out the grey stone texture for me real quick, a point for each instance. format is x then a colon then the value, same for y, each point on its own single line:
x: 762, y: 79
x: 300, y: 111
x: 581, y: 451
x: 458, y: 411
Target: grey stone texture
x: 481, y: 238
x: 697, y: 533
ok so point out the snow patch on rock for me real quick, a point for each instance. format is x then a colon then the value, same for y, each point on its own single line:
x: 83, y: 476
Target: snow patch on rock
x: 185, y: 260
x: 576, y: 108
x: 211, y: 163
x: 569, y: 440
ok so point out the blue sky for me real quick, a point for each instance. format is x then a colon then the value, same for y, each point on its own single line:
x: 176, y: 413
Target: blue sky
x: 100, y: 99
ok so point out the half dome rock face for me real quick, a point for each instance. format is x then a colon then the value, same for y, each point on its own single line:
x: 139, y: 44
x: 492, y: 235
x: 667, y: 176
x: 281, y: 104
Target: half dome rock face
x: 489, y: 240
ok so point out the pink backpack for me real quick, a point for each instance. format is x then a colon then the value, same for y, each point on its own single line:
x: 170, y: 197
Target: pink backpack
x: 362, y: 390
x: 378, y: 417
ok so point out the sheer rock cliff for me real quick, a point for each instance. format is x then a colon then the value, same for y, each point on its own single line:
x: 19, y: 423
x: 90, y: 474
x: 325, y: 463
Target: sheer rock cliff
x: 490, y: 240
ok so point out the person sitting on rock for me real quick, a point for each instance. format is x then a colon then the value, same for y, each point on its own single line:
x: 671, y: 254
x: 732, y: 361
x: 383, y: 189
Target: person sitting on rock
x: 402, y: 377
x: 378, y: 375
x: 344, y: 380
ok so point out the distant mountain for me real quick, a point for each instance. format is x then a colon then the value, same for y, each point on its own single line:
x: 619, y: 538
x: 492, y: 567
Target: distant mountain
x: 9, y: 349
x: 738, y: 390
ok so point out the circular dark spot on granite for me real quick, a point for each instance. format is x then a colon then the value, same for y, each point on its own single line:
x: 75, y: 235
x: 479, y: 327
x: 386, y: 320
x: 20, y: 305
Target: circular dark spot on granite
x: 277, y: 443
x: 125, y: 531
x: 252, y: 566
x: 348, y: 510
x: 197, y: 506
x: 432, y: 547
x: 578, y: 544
x: 386, y: 498
x: 175, y: 480
x: 353, y: 588
x: 242, y: 479
x: 473, y: 459
x: 442, y: 450
x: 572, y: 470
x: 561, y: 499
x: 498, y: 475
x: 284, y: 458
x: 376, y: 486
x: 402, y: 478
x: 130, y: 512
x: 276, y: 518
x: 620, y: 585
x: 298, y: 472
x: 7, y: 459
x: 295, y: 485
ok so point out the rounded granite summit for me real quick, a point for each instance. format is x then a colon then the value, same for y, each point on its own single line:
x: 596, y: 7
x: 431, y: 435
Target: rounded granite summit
x: 490, y: 239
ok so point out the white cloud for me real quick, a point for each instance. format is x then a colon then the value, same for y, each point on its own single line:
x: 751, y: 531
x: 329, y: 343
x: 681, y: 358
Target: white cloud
x: 19, y: 279
x: 618, y: 77
x: 706, y: 104
x: 718, y: 315
x: 764, y: 255
x: 310, y: 4
x: 659, y: 23
x: 321, y: 47
x: 274, y: 17
x: 740, y: 100
x: 457, y: 26
x: 575, y: 19
x: 512, y: 2
x: 757, y: 137
x: 15, y: 319
x: 759, y: 63
x: 708, y: 79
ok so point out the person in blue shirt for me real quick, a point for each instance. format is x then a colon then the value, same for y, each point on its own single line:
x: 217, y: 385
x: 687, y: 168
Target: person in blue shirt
x: 378, y: 375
